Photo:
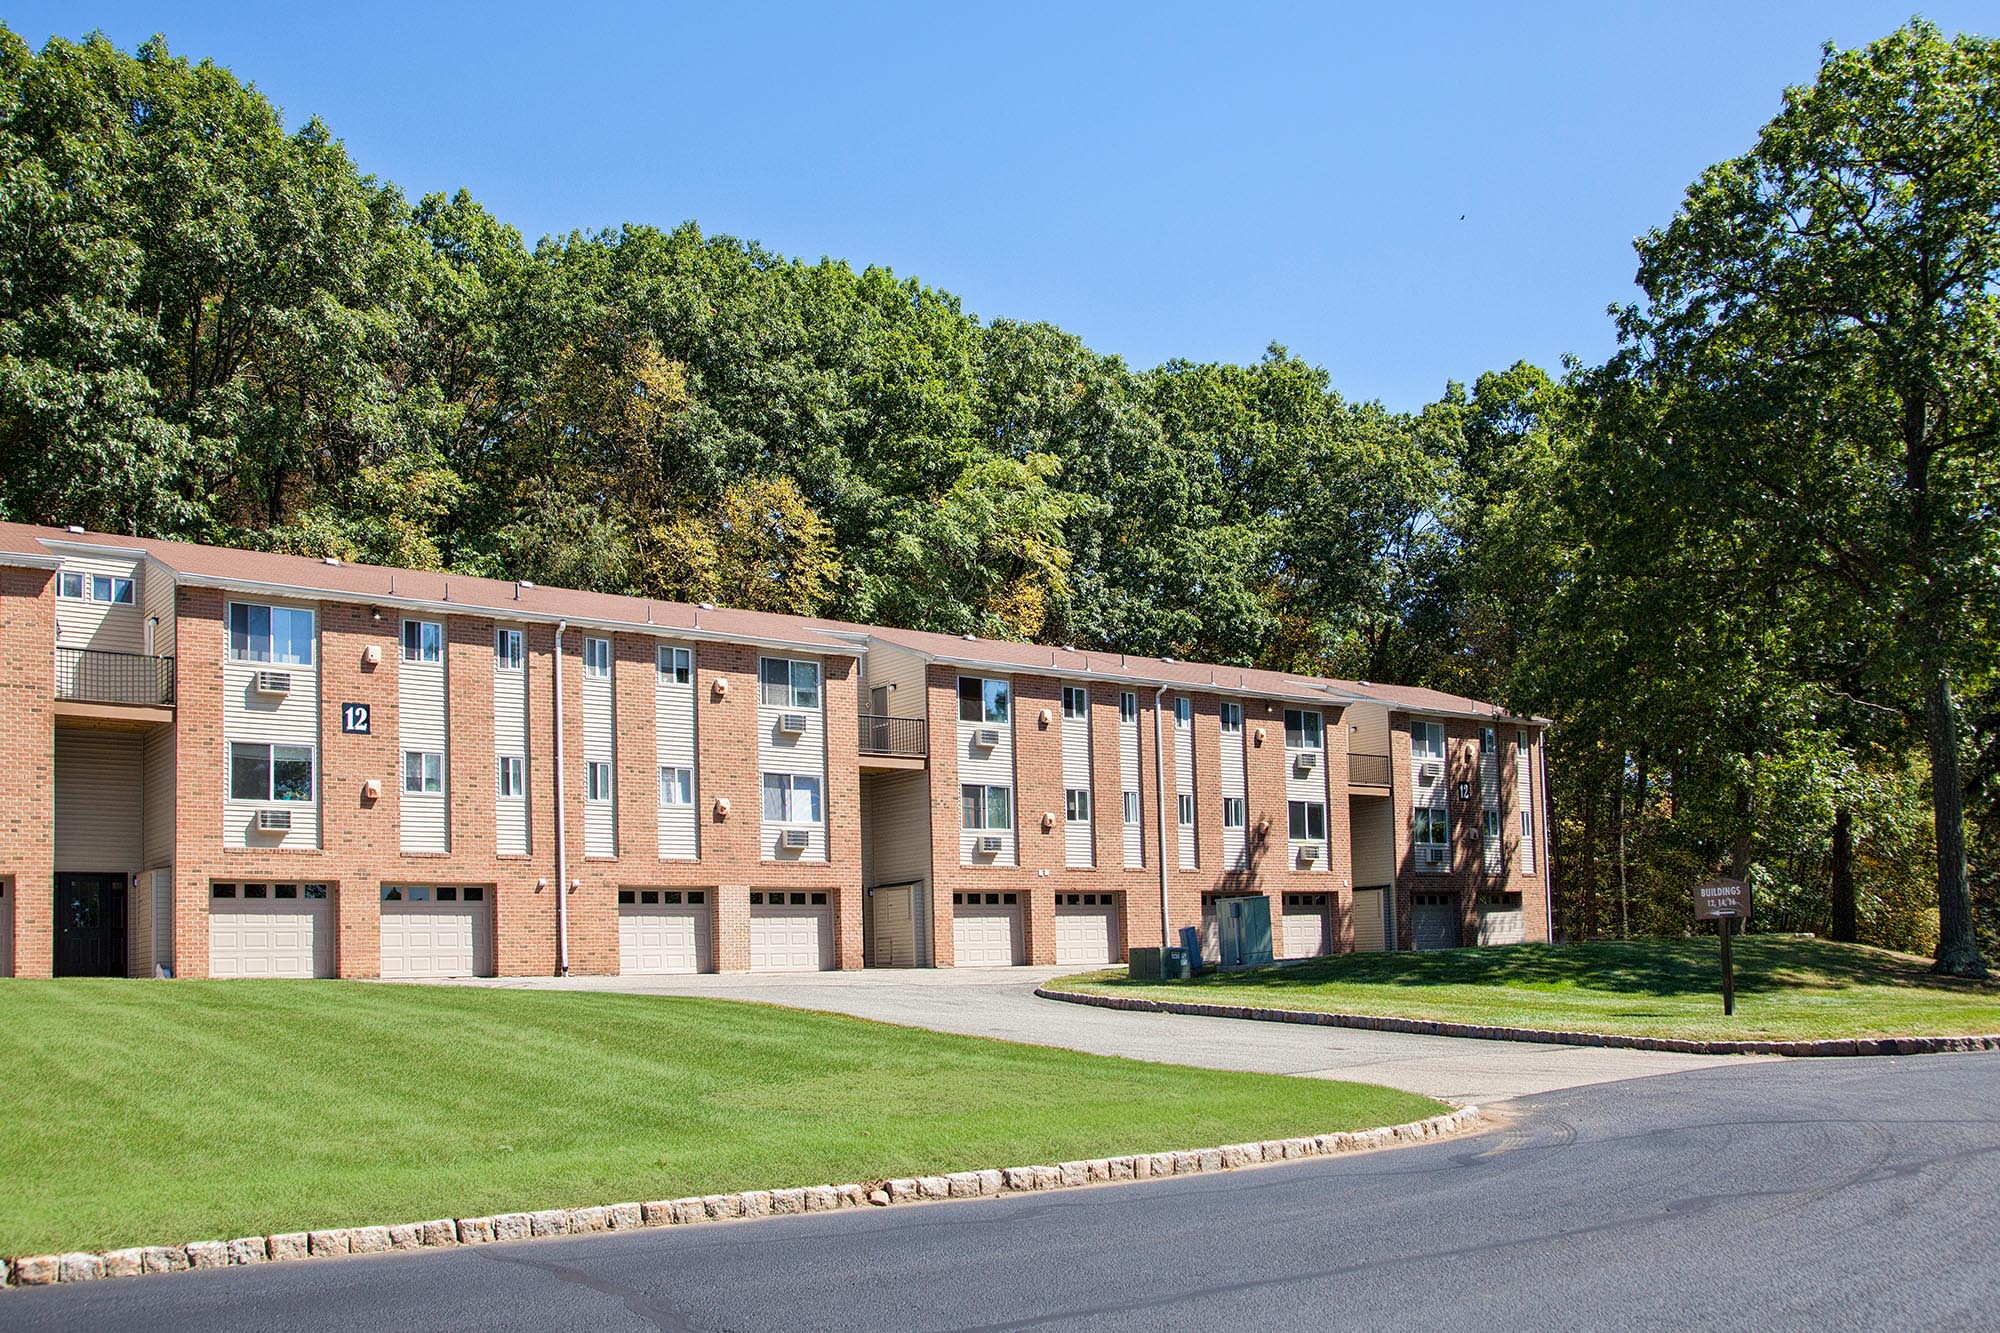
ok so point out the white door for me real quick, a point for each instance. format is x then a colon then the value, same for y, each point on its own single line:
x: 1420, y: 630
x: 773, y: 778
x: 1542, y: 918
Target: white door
x: 1434, y: 921
x: 790, y: 932
x: 1086, y: 929
x: 893, y: 926
x: 986, y: 930
x: 1371, y: 934
x: 1500, y: 922
x: 6, y: 927
x: 1307, y: 932
x: 663, y: 931
x: 436, y: 932
x: 270, y: 930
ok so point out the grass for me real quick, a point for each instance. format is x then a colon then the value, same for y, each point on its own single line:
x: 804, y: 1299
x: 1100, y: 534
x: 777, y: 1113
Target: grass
x: 143, y: 1113
x: 1785, y: 988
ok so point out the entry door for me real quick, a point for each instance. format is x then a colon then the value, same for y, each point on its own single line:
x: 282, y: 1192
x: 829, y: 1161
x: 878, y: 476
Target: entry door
x: 90, y: 925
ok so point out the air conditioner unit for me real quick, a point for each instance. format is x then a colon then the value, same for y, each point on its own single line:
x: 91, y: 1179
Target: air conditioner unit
x: 988, y: 845
x: 274, y: 682
x: 1433, y: 856
x: 1306, y: 761
x: 986, y: 738
x: 1433, y: 769
x: 273, y: 821
x: 792, y: 724
x: 797, y: 839
x: 1309, y: 853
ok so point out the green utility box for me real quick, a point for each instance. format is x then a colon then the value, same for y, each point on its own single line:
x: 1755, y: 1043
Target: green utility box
x: 1143, y: 964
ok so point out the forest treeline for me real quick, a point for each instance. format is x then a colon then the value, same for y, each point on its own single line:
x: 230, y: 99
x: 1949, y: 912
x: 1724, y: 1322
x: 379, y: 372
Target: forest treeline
x: 1749, y: 565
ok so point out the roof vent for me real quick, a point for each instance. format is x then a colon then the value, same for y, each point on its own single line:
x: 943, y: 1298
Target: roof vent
x: 74, y: 527
x: 969, y: 638
x: 333, y: 560
x: 524, y: 583
x: 1362, y: 683
x: 1168, y: 659
x: 707, y: 606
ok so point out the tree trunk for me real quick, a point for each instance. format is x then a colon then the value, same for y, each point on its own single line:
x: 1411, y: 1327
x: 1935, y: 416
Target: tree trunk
x: 1739, y: 847
x: 1958, y: 947
x: 1844, y: 928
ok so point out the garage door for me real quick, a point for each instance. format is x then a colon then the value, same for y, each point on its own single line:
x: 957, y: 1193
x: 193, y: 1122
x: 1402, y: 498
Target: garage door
x: 662, y: 931
x: 790, y: 932
x: 1086, y: 929
x: 6, y: 927
x: 986, y: 930
x: 1371, y: 920
x: 1500, y: 920
x: 1434, y: 921
x: 270, y: 930
x: 1308, y: 930
x: 441, y: 931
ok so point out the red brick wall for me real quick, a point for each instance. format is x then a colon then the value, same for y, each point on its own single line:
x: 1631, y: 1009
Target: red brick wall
x: 27, y: 766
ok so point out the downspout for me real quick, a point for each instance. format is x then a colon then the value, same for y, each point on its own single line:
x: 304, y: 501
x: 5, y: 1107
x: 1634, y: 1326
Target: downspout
x: 1160, y: 813
x: 562, y: 852
x: 1548, y: 835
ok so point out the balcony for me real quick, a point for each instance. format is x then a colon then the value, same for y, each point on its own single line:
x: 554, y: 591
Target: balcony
x: 116, y: 690
x: 893, y: 742
x: 1368, y: 770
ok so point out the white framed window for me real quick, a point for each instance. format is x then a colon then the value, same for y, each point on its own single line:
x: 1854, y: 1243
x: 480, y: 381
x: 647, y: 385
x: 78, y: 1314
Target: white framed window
x: 1232, y: 718
x: 982, y: 700
x: 988, y: 808
x: 1487, y: 743
x: 1307, y: 820
x: 597, y: 658
x: 423, y: 641
x: 1427, y: 740
x: 1183, y: 711
x: 1076, y: 805
x: 1131, y: 807
x: 1527, y: 826
x: 507, y: 649
x: 1234, y: 810
x: 1302, y: 729
x: 784, y: 682
x: 1075, y: 701
x: 423, y: 772
x: 76, y: 587
x: 1492, y: 827
x: 79, y: 587
x: 791, y: 798
x: 1432, y: 826
x: 675, y: 664
x: 676, y: 785
x: 261, y: 772
x: 597, y: 780
x: 1187, y: 809
x: 513, y: 775
x: 1128, y: 706
x: 279, y: 634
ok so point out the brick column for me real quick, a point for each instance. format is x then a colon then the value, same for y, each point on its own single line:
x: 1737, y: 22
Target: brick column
x: 28, y: 766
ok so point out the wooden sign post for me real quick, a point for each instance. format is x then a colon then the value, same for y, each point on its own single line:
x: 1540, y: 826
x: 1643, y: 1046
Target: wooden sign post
x: 1723, y: 901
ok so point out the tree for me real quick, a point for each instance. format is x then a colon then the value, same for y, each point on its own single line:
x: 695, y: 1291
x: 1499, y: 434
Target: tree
x: 1825, y: 310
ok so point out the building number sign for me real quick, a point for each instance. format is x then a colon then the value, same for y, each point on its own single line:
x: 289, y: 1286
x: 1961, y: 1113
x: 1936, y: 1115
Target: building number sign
x: 354, y: 719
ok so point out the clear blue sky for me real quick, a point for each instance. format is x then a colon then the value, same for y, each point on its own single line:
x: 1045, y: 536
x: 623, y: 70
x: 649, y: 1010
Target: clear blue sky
x: 1161, y: 179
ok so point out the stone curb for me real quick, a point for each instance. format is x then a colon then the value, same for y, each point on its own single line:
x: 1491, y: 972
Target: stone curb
x: 1436, y: 1028
x: 44, y: 1269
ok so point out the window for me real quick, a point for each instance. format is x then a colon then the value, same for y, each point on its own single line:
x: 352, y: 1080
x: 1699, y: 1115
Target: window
x: 423, y: 771
x: 1308, y: 821
x: 316, y: 892
x: 1076, y: 701
x: 278, y: 634
x: 676, y: 786
x: 597, y: 780
x: 1131, y: 807
x: 260, y: 772
x: 1492, y: 829
x: 1183, y: 711
x: 1233, y: 811
x: 1527, y: 826
x: 285, y: 891
x: 1301, y: 729
x: 423, y: 641
x: 1232, y: 718
x: 1427, y: 740
x: 982, y: 700
x: 1487, y: 745
x: 111, y: 588
x: 676, y: 664
x: 222, y: 891
x: 77, y: 588
x: 1128, y: 706
x: 254, y: 891
x: 1187, y: 810
x: 507, y: 649
x: 791, y: 798
x: 513, y: 775
x: 1076, y: 805
x: 987, y: 807
x: 1433, y: 826
x: 784, y: 683
x: 597, y: 658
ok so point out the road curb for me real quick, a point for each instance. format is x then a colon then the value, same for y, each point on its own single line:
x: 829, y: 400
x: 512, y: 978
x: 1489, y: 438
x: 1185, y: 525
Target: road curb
x: 1547, y: 1036
x: 442, y: 1233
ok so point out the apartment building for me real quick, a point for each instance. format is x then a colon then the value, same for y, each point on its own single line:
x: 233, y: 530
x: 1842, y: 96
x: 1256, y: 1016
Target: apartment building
x: 228, y: 763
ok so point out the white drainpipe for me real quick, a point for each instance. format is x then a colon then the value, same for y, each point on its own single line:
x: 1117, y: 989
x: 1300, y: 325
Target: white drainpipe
x: 1160, y: 812
x: 562, y: 855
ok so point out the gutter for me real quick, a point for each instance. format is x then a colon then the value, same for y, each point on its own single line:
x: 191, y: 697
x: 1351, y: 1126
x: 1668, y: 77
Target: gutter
x: 562, y: 846
x: 1548, y: 836
x: 1160, y: 812
x: 1307, y: 693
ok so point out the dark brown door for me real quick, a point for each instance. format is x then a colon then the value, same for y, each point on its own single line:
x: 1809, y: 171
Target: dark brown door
x: 90, y: 925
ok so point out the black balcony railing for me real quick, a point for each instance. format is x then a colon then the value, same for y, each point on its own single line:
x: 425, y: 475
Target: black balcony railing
x: 90, y: 676
x: 900, y: 737
x: 1367, y: 770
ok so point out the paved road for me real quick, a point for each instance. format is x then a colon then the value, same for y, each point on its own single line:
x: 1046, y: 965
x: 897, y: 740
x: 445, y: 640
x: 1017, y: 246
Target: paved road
x: 1813, y: 1194
x: 1002, y: 1003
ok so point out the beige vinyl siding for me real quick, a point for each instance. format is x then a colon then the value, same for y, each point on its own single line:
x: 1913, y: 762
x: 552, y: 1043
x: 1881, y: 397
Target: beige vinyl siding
x: 1489, y: 800
x: 803, y: 754
x: 899, y: 827
x: 1524, y: 800
x: 100, y: 791
x: 1230, y: 779
x: 1133, y: 833
x: 160, y: 899
x: 510, y: 739
x: 900, y: 668
x: 1372, y: 822
x: 600, y: 745
x: 1079, y: 840
x: 156, y: 594
x: 1367, y: 729
x: 292, y: 718
x: 422, y: 707
x: 1309, y: 785
x: 674, y: 732
x: 1184, y: 782
x: 101, y: 626
x: 989, y: 767
x: 157, y: 763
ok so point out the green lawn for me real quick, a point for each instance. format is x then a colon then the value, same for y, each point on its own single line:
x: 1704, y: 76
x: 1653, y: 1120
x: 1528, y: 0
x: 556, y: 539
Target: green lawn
x: 155, y: 1112
x: 1785, y: 988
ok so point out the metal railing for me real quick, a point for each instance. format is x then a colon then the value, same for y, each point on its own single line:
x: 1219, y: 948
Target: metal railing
x: 1367, y: 770
x: 901, y: 737
x: 88, y: 675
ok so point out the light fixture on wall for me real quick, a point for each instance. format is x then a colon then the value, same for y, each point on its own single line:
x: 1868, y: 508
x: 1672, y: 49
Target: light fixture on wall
x: 371, y: 790
x: 1048, y: 820
x: 371, y: 655
x: 722, y: 807
x: 720, y: 687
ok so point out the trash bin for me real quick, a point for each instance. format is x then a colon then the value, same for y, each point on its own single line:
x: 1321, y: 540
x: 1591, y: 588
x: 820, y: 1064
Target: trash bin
x: 1174, y: 965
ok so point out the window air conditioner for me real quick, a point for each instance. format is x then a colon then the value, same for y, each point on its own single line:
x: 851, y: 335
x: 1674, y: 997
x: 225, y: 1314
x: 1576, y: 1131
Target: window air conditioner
x: 1306, y: 761
x: 1433, y: 856
x: 274, y: 682
x: 1433, y: 770
x: 986, y: 738
x: 989, y: 845
x: 792, y: 724
x: 1309, y: 853
x: 797, y: 839
x: 273, y: 821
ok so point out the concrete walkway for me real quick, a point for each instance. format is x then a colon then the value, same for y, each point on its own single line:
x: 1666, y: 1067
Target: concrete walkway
x: 1001, y: 1003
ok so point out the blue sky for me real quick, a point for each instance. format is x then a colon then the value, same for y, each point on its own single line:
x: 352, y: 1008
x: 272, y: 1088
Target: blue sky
x: 1404, y: 194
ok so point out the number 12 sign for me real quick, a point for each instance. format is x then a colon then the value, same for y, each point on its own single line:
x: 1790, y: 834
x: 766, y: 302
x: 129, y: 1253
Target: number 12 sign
x: 354, y: 719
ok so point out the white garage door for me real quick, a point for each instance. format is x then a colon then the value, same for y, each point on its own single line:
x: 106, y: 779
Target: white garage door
x: 662, y: 931
x: 1371, y: 920
x: 1434, y: 921
x: 1500, y: 921
x: 1086, y: 929
x: 1307, y: 929
x: 436, y: 932
x: 270, y: 930
x: 6, y: 927
x: 986, y: 930
x: 790, y: 932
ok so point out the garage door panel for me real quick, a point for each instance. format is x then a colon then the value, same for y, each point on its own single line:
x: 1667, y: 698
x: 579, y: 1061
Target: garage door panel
x: 1086, y: 929
x: 1434, y: 921
x: 270, y: 936
x: 1501, y: 923
x: 663, y: 932
x: 791, y: 932
x: 1307, y: 926
x: 423, y: 937
x: 987, y: 933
